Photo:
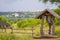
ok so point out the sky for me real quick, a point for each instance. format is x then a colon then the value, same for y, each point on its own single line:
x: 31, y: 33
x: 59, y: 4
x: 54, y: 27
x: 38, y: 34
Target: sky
x: 24, y: 5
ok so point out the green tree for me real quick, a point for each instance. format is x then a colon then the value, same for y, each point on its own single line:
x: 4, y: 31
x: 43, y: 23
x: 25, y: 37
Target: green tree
x: 57, y: 10
x: 3, y: 19
x: 52, y: 1
x: 28, y: 22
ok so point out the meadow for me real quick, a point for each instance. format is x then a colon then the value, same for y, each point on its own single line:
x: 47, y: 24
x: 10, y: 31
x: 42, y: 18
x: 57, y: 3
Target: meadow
x: 15, y: 36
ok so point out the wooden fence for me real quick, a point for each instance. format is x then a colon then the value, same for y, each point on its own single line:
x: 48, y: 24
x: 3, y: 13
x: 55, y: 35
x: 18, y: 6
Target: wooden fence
x: 29, y: 29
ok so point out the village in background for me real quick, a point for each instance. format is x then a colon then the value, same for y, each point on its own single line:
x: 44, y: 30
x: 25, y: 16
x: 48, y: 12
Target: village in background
x: 19, y: 15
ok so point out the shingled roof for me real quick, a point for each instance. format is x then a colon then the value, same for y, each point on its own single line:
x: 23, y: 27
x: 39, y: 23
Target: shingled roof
x: 2, y: 23
x: 50, y: 11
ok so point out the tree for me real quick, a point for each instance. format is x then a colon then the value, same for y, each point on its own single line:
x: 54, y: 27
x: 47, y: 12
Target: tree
x: 3, y: 19
x: 52, y: 1
x: 57, y: 10
x: 30, y: 22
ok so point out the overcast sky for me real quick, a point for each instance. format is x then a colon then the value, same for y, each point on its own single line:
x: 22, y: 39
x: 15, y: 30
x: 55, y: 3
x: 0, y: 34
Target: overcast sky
x: 23, y: 5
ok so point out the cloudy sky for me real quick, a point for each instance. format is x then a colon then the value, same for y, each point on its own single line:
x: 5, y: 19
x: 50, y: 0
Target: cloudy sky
x: 23, y: 5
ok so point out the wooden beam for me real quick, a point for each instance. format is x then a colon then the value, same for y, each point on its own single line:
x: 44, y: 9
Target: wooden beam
x: 42, y: 23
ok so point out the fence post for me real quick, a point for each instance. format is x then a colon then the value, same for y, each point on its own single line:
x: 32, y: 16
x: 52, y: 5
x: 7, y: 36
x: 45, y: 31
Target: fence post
x: 32, y: 31
x: 11, y: 30
x: 5, y: 28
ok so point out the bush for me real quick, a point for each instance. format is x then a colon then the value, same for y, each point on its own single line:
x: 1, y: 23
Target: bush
x: 3, y: 19
x: 57, y: 21
x: 30, y: 22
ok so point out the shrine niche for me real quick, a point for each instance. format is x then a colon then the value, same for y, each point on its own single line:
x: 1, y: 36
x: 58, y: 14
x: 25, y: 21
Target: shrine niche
x: 50, y: 19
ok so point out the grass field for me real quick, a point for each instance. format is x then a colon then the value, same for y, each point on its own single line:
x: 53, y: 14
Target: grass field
x: 15, y: 36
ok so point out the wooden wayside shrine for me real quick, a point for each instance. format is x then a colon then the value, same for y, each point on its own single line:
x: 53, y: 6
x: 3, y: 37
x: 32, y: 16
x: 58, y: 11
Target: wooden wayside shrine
x: 4, y: 25
x: 50, y: 19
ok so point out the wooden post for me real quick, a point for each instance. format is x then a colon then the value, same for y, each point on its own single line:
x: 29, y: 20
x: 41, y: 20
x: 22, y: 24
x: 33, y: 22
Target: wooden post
x: 11, y: 30
x: 41, y: 28
x: 5, y: 27
x: 48, y: 18
x: 32, y: 31
x: 49, y: 29
x: 2, y: 28
x: 53, y: 28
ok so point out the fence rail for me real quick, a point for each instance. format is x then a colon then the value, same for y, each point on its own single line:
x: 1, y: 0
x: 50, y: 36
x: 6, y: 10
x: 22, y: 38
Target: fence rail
x: 30, y: 30
x: 22, y: 29
x: 24, y: 32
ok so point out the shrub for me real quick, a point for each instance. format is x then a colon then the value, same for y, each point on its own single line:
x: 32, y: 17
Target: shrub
x: 57, y: 21
x: 28, y: 22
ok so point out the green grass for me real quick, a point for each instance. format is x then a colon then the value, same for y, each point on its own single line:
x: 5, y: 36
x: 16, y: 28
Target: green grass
x: 8, y: 37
